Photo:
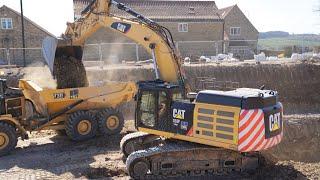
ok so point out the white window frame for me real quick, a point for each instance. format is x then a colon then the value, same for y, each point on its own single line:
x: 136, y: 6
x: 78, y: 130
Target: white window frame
x: 233, y: 31
x: 183, y: 27
x: 7, y: 21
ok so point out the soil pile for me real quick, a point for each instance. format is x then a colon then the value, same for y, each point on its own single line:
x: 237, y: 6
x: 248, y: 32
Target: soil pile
x: 70, y: 73
x: 297, y: 84
x: 301, y: 141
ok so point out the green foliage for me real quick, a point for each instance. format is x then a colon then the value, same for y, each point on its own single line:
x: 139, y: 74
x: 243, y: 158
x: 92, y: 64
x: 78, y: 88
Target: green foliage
x: 287, y: 51
x: 281, y: 43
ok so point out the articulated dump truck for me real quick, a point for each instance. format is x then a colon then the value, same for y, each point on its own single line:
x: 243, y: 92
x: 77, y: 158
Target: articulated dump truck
x: 81, y: 112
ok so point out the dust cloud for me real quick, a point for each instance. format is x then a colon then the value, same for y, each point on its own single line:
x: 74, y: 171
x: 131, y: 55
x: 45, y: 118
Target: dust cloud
x: 110, y: 55
x: 41, y: 75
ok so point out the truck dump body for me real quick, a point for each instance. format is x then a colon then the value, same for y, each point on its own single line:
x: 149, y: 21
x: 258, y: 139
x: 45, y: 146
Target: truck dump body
x: 50, y: 101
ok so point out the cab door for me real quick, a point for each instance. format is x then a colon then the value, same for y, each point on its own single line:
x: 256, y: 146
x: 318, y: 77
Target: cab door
x: 153, y: 110
x: 164, y: 122
x: 146, y: 109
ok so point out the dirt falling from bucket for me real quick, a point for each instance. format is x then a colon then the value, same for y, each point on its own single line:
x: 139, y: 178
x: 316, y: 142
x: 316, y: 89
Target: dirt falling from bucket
x: 70, y: 73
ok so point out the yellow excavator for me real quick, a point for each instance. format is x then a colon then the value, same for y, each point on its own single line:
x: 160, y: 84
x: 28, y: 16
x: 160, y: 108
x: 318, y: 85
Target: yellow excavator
x: 180, y: 133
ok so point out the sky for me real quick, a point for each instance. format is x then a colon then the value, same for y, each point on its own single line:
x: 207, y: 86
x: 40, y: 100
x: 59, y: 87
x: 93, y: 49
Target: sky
x: 293, y: 16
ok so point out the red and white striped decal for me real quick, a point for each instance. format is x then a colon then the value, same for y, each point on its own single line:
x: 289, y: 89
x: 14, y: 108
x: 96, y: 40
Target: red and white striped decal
x: 252, y: 132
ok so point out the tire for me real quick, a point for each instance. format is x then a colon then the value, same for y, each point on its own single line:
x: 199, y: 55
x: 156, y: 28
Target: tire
x: 81, y: 126
x: 110, y: 121
x: 8, y: 138
x: 30, y: 110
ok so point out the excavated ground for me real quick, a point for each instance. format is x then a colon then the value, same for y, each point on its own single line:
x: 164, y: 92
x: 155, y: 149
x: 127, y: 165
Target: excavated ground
x: 47, y: 155
x: 297, y: 83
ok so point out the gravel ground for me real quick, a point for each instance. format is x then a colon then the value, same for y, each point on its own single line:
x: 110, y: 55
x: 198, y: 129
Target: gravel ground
x: 47, y: 155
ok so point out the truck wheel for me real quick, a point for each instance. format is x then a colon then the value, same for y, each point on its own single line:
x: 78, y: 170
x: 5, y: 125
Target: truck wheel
x: 81, y: 126
x: 110, y: 121
x: 8, y: 138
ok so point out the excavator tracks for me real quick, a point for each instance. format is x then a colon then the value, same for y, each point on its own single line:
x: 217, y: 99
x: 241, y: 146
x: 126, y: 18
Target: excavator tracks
x: 182, y: 159
x: 138, y: 141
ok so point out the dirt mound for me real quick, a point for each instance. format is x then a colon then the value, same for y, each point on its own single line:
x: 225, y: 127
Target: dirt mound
x: 297, y: 84
x: 70, y: 73
x: 301, y: 141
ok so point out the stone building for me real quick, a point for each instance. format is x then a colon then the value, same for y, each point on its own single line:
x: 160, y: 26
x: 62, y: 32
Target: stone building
x: 199, y: 27
x: 11, y: 38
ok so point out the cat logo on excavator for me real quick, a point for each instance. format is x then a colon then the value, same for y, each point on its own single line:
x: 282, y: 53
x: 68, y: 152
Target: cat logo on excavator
x: 178, y: 113
x: 274, y: 122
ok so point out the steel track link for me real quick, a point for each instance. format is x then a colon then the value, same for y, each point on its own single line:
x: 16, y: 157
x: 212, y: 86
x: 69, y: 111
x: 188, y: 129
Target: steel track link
x: 131, y: 136
x: 172, y: 148
x: 137, y: 141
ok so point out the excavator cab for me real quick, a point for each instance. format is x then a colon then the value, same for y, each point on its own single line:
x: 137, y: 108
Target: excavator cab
x: 154, y: 100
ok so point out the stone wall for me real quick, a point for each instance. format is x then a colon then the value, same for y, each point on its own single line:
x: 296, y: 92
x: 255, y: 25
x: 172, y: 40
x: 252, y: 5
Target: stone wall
x: 12, y: 38
x: 198, y: 30
x: 236, y: 18
x: 209, y: 31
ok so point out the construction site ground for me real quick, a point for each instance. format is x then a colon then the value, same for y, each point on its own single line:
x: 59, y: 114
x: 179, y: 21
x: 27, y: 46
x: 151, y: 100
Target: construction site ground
x: 47, y: 155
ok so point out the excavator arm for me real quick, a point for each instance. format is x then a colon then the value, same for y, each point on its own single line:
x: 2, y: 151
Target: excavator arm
x: 156, y: 39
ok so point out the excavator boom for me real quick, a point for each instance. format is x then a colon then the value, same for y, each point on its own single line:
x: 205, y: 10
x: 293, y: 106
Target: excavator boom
x: 156, y: 39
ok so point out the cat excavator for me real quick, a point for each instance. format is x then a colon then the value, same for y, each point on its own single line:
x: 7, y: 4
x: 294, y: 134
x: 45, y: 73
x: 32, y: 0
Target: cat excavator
x: 179, y: 133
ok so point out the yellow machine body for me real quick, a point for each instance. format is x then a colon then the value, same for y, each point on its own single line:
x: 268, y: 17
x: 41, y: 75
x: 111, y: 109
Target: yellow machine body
x: 219, y: 126
x: 207, y: 131
x: 244, y: 120
x: 48, y: 102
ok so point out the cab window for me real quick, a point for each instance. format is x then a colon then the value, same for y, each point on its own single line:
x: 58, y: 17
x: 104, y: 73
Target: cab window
x: 163, y: 105
x: 147, y: 109
x: 177, y: 96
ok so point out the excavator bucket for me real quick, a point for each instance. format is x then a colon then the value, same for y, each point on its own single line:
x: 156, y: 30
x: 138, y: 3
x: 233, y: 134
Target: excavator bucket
x: 65, y: 63
x: 49, y: 45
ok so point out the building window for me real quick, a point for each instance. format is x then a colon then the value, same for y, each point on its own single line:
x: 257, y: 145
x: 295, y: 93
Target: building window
x: 183, y: 27
x: 235, y: 31
x: 6, y: 23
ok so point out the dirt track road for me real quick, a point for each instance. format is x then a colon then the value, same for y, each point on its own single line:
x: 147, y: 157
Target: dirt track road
x: 47, y: 155
x: 50, y: 156
x: 55, y: 156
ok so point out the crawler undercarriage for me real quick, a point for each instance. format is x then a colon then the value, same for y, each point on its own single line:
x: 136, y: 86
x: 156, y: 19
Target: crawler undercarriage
x: 150, y: 156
